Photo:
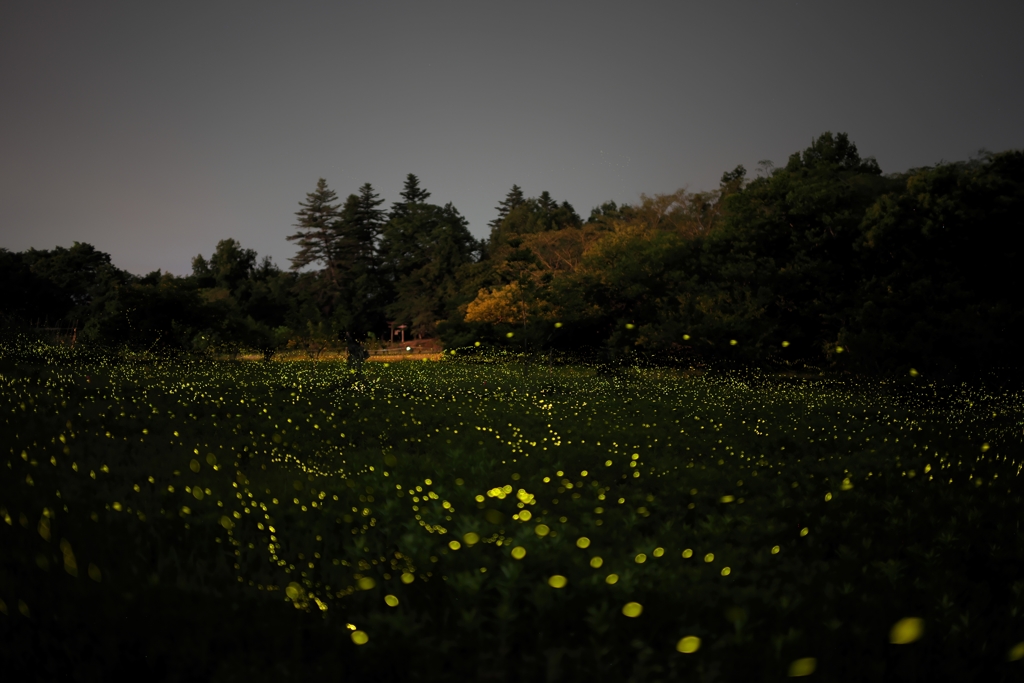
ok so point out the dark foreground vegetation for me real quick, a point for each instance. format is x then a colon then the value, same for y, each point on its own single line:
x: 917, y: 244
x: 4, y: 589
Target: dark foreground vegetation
x: 182, y: 519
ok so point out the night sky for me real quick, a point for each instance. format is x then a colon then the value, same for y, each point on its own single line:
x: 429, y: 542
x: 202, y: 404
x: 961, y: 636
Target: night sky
x: 153, y: 130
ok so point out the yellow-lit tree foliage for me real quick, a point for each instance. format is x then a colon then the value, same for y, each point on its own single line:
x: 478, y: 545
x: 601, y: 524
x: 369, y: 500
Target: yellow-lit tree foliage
x: 497, y: 305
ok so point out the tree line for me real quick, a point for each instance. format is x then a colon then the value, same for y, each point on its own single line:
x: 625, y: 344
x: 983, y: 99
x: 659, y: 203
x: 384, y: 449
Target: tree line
x: 823, y: 261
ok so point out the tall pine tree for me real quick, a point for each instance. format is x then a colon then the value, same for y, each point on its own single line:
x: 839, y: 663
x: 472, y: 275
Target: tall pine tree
x: 430, y: 278
x: 412, y: 194
x: 317, y: 235
x: 358, y: 263
x: 547, y: 202
x: 513, y: 199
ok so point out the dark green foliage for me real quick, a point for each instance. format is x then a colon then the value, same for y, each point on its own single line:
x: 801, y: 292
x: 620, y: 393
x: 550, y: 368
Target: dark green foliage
x: 169, y: 313
x: 786, y: 245
x: 512, y: 200
x: 412, y: 194
x: 426, y: 247
x: 27, y: 296
x: 76, y: 283
x: 363, y: 291
x: 528, y: 216
x: 318, y: 238
x: 603, y: 215
x: 317, y: 228
x: 820, y: 263
x: 941, y: 256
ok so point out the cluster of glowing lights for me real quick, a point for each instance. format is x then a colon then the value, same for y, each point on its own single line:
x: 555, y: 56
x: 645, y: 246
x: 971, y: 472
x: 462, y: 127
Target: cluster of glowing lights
x: 261, y: 463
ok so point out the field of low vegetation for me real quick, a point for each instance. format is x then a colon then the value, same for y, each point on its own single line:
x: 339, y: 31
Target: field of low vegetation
x: 489, y: 518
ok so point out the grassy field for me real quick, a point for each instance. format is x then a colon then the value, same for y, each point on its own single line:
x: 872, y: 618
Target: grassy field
x: 502, y: 521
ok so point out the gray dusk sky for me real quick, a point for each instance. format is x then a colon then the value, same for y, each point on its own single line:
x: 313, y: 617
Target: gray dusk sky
x: 154, y: 129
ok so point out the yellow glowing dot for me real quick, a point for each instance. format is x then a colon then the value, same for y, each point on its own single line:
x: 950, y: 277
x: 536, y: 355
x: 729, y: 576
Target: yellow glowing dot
x: 519, y: 552
x: 407, y: 577
x: 686, y: 337
x: 1016, y: 652
x: 688, y: 645
x: 226, y: 522
x: 607, y: 463
x: 391, y: 600
x: 479, y: 498
x: 509, y: 335
x: 630, y: 326
x: 733, y: 342
x: 658, y: 552
x: 557, y: 581
x: 632, y: 609
x: 558, y: 324
x: 839, y: 349
x: 726, y: 571
x: 471, y: 538
x: 914, y: 373
x: 542, y: 530
x: 906, y: 631
x: 211, y: 459
x: 984, y: 447
x: 640, y: 558
x: 775, y: 550
x: 710, y: 557
x: 805, y: 531
x: 366, y: 583
x: 785, y: 344
x: 454, y: 545
x: 525, y: 515
x: 612, y: 578
x: 583, y: 542
x: 596, y: 562
x: 198, y: 493
x: 803, y: 667
x: 360, y: 637
x: 687, y: 553
x: 727, y: 499
x: 194, y: 465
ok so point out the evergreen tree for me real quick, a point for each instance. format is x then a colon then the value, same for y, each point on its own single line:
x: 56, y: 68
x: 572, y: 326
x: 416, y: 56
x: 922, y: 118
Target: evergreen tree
x: 513, y: 199
x: 360, y: 286
x: 427, y: 289
x: 605, y: 215
x: 541, y: 214
x: 404, y: 236
x: 412, y: 195
x: 547, y: 203
x: 318, y: 238
x: 359, y: 230
x: 370, y: 218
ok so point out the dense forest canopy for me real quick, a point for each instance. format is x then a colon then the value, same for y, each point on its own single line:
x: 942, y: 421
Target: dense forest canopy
x: 825, y: 260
